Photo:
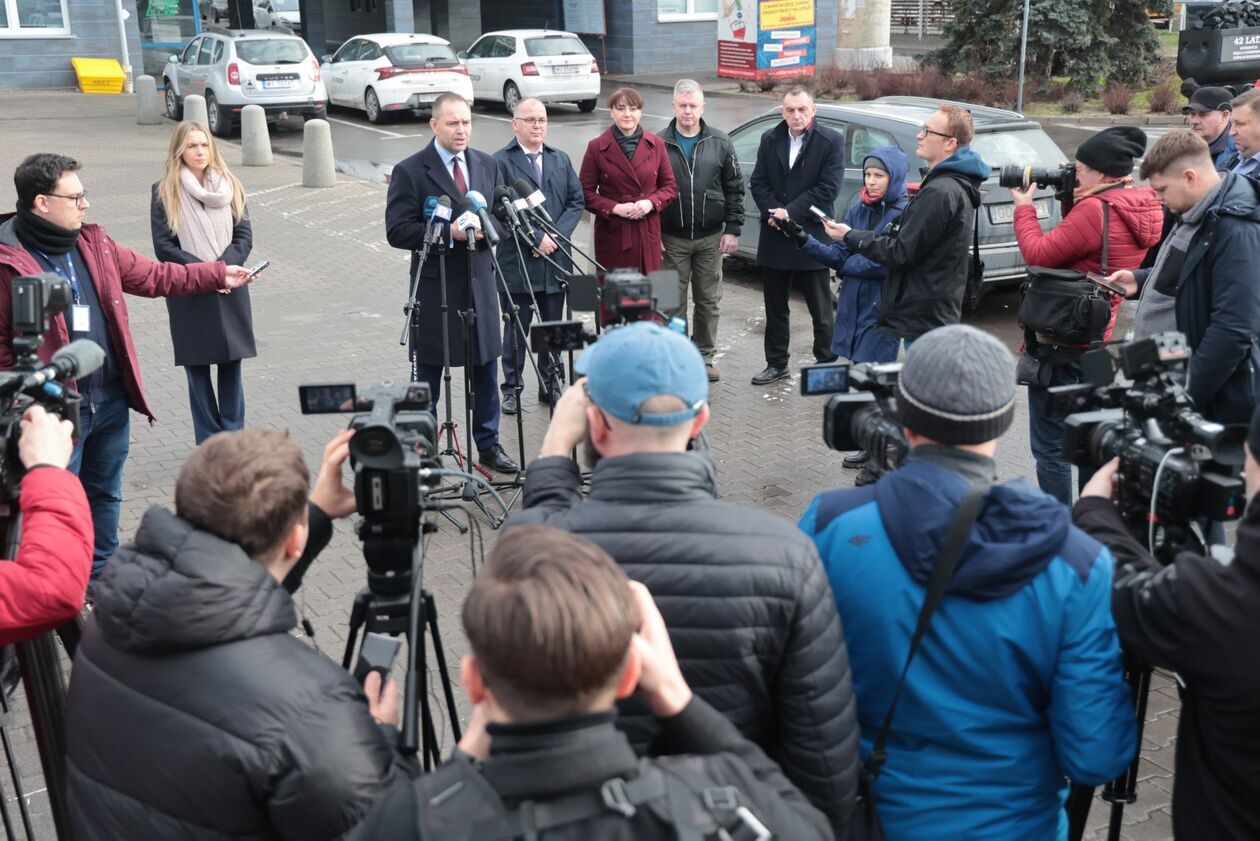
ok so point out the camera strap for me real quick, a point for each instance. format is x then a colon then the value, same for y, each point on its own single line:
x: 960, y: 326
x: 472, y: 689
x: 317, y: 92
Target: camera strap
x: 1105, y: 238
x: 964, y: 518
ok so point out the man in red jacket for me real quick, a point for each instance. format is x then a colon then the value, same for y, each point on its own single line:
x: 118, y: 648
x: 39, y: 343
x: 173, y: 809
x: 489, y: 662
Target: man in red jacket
x: 47, y: 234
x: 42, y: 588
x: 1133, y: 222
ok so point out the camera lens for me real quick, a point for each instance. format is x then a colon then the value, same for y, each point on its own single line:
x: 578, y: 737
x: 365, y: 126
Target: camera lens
x: 1013, y: 175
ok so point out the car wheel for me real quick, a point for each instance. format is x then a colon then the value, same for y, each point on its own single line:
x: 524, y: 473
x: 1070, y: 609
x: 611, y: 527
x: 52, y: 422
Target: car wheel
x: 220, y: 123
x: 511, y: 96
x: 372, y: 104
x: 586, y: 106
x: 174, y: 108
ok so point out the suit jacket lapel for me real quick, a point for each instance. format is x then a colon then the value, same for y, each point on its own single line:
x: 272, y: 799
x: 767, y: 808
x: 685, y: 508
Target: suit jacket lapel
x: 782, y: 141
x: 439, y: 173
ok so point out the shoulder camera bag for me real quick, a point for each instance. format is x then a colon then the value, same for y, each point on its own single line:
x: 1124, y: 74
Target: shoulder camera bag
x: 867, y: 815
x: 1060, y: 307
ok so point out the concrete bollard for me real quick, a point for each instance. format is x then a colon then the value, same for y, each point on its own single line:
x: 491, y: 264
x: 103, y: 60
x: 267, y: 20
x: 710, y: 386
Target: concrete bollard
x: 318, y: 167
x: 255, y: 142
x: 148, y: 111
x: 195, y: 109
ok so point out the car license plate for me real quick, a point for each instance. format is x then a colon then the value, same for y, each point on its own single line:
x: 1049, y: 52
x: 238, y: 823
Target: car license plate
x: 1004, y: 214
x: 278, y: 83
x: 566, y: 69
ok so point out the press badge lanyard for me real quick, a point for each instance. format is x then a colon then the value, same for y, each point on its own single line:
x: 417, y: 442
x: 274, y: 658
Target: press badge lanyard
x: 80, y: 315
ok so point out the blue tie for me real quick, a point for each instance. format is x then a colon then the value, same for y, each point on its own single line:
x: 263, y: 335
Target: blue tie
x: 535, y: 159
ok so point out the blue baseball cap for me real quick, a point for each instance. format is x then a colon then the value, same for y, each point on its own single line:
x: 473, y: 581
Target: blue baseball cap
x: 630, y: 364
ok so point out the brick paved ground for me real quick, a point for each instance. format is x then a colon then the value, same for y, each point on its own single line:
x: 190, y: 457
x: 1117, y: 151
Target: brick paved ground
x: 329, y: 309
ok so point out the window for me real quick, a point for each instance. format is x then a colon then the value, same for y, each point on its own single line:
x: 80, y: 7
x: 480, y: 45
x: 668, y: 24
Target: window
x: 555, y: 45
x: 681, y: 10
x: 863, y: 140
x: 504, y: 48
x: 421, y: 55
x: 348, y: 52
x: 218, y: 52
x: 1023, y: 147
x: 272, y: 51
x: 207, y: 49
x: 189, y: 55
x: 370, y: 52
x: 748, y: 141
x: 33, y: 18
x: 482, y: 48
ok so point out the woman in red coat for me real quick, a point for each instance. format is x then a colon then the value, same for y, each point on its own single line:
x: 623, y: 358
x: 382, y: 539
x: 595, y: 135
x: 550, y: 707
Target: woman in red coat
x: 627, y: 179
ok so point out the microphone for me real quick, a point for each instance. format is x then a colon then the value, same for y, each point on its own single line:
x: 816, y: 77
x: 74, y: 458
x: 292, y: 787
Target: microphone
x: 478, y: 204
x: 504, y: 207
x: 468, y: 221
x: 439, y: 212
x: 77, y: 359
x: 534, y: 199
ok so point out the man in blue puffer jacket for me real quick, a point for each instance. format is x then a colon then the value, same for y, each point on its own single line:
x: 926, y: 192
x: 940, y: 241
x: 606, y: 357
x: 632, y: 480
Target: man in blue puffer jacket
x: 1017, y: 686
x: 881, y: 201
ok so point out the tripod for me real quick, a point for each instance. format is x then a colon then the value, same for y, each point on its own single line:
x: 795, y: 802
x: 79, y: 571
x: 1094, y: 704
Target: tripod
x: 399, y: 604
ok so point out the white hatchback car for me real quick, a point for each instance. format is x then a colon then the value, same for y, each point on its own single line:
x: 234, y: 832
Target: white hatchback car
x: 393, y: 72
x: 516, y: 64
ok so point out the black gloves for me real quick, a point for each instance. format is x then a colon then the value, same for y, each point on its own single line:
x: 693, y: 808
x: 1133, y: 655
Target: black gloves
x: 791, y: 230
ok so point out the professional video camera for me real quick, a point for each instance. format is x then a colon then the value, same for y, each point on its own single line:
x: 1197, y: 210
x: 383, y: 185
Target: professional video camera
x: 1061, y: 178
x: 1176, y: 467
x: 862, y: 412
x: 623, y: 295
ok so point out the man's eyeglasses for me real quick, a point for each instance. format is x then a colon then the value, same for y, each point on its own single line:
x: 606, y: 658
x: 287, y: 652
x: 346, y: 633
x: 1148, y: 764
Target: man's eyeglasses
x: 79, y: 199
x: 532, y: 121
x: 924, y: 130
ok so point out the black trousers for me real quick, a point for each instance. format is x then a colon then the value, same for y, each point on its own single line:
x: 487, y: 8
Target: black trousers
x: 551, y: 308
x: 776, y: 287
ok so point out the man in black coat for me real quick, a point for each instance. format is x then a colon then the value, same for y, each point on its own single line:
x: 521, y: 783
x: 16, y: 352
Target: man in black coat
x: 557, y: 633
x: 448, y: 167
x: 549, y: 170
x: 928, y: 251
x: 799, y: 163
x: 744, y: 594
x: 194, y: 713
x: 1199, y: 617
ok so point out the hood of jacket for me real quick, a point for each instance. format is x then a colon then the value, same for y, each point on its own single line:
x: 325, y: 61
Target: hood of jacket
x: 1139, y: 210
x: 894, y: 160
x: 1239, y: 196
x: 654, y: 477
x: 176, y: 588
x: 967, y: 167
x: 1018, y: 534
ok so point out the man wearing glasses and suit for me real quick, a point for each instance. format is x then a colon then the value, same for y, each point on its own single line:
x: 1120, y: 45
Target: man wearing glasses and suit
x: 550, y: 170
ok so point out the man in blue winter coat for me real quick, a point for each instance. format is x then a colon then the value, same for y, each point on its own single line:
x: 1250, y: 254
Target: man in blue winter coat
x: 1017, y: 686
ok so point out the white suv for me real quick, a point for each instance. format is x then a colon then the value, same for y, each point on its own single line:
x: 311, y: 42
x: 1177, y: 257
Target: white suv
x: 239, y: 67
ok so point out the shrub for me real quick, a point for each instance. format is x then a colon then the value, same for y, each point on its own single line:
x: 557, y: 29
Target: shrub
x: 1072, y: 102
x: 867, y: 85
x: 1117, y: 98
x: 1165, y: 96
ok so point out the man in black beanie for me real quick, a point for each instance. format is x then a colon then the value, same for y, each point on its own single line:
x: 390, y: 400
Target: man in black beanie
x: 1198, y: 617
x: 1105, y: 201
x: 1020, y: 666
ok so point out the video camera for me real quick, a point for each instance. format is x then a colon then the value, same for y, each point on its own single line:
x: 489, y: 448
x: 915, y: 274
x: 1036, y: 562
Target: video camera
x: 623, y: 295
x: 1061, y: 178
x: 862, y: 412
x: 1176, y: 466
x: 395, y: 438
x: 36, y: 300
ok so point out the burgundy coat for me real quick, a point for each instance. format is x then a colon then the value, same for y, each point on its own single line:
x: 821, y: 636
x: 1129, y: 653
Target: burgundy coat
x: 115, y: 269
x: 609, y: 179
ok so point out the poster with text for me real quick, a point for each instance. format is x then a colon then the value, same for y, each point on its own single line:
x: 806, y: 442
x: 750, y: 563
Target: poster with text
x: 766, y: 39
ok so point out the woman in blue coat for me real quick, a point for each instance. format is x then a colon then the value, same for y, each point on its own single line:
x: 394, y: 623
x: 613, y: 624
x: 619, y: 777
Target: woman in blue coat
x: 881, y: 201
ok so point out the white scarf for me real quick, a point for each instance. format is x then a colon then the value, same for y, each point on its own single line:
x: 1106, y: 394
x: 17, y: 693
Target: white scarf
x: 205, y: 214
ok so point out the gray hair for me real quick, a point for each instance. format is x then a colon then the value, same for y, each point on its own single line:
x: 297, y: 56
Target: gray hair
x: 516, y: 112
x: 797, y: 90
x: 686, y: 86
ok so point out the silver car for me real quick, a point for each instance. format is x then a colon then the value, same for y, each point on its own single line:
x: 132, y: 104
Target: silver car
x: 233, y: 68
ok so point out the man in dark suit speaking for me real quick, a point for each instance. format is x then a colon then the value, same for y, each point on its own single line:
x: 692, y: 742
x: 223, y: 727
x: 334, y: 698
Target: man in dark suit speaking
x: 447, y: 167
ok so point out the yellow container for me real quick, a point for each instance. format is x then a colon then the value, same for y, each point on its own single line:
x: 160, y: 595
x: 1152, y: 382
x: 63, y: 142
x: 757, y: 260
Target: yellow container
x: 99, y: 75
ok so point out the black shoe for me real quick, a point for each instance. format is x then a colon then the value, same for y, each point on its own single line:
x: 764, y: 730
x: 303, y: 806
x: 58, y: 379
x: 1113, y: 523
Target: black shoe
x: 858, y: 459
x: 771, y: 374
x: 496, y: 458
x: 866, y: 477
x: 544, y: 398
x: 509, y: 405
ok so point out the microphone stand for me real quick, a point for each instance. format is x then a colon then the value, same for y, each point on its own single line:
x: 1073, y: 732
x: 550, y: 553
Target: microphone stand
x: 468, y: 322
x: 556, y: 235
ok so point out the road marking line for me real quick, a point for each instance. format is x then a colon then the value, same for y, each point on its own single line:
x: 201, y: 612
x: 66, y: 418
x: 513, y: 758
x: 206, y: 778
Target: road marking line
x: 365, y: 128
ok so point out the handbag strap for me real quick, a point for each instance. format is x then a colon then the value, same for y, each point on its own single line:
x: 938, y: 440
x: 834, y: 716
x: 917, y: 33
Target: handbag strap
x: 964, y: 518
x: 1106, y: 225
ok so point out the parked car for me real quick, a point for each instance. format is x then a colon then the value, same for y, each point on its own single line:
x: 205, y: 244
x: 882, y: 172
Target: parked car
x: 517, y: 64
x: 393, y: 72
x: 233, y: 68
x: 214, y: 10
x: 1002, y: 137
x: 283, y: 14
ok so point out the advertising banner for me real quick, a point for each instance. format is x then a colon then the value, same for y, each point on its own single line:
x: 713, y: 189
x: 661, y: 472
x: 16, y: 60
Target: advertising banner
x: 766, y: 39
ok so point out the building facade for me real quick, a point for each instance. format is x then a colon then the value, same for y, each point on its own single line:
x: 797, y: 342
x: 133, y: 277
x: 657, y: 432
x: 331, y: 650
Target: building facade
x: 39, y: 37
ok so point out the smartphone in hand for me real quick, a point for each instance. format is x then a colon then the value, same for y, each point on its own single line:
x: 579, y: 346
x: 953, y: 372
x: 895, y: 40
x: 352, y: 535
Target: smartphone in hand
x: 1100, y: 281
x: 821, y: 214
x: 257, y: 270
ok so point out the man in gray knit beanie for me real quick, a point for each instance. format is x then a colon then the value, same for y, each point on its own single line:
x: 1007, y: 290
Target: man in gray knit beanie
x: 1022, y: 636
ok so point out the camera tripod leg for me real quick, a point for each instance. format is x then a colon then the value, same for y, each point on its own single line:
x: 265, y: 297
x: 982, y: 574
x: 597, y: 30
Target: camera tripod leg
x: 19, y: 794
x: 430, y: 607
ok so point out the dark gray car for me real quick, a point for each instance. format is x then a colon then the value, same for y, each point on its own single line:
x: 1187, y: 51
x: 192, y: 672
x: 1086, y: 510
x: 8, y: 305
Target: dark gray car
x: 1002, y: 137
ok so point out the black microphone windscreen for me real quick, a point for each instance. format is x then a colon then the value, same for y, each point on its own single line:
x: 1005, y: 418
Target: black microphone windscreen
x: 81, y: 357
x: 523, y: 187
x: 501, y: 192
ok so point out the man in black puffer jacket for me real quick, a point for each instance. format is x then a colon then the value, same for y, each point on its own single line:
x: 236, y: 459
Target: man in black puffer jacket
x: 194, y: 713
x: 743, y: 595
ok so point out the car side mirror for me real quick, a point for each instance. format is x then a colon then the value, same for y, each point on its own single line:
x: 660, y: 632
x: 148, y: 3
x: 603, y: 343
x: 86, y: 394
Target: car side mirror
x: 173, y: 59
x: 462, y: 55
x: 325, y: 59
